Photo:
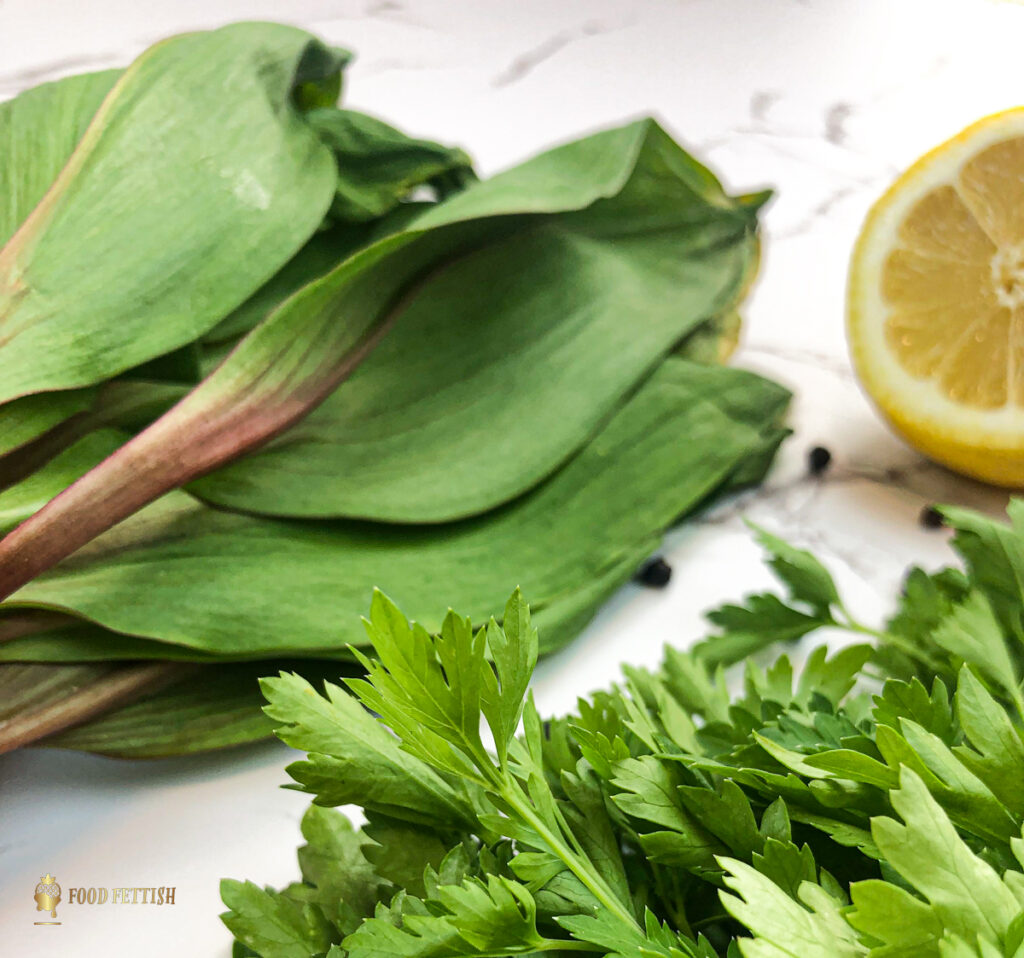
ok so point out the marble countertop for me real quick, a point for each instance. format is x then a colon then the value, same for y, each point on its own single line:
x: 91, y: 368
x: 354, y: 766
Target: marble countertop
x: 824, y: 100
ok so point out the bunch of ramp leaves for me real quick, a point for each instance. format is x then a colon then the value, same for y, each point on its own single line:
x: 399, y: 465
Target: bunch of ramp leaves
x: 261, y: 354
x: 867, y: 803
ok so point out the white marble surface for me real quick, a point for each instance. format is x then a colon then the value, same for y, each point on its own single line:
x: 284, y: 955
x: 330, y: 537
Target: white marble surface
x: 823, y: 99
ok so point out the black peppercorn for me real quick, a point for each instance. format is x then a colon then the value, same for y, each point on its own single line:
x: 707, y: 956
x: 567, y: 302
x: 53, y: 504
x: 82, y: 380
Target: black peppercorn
x: 818, y: 460
x: 931, y: 518
x: 655, y: 573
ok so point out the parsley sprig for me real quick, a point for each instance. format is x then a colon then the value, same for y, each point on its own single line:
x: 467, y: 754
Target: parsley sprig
x: 867, y: 802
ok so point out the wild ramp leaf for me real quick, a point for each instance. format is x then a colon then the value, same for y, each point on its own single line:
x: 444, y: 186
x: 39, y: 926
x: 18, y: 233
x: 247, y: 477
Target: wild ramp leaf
x: 20, y: 501
x: 379, y: 167
x: 232, y: 174
x: 578, y: 194
x: 39, y: 129
x: 30, y: 417
x: 597, y: 296
x: 210, y: 707
x: 39, y: 700
x: 671, y: 447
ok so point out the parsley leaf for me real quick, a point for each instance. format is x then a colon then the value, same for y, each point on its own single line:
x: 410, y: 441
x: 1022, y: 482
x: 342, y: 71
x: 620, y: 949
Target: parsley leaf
x: 700, y: 810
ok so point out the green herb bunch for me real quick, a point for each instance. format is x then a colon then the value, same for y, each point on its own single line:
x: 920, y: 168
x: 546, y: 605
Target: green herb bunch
x: 869, y: 802
x: 261, y: 353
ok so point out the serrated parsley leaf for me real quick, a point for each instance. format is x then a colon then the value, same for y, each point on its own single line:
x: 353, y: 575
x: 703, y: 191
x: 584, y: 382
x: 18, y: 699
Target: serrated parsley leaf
x: 805, y: 577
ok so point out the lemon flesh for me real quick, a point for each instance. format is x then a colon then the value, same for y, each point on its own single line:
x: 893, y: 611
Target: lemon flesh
x: 936, y: 302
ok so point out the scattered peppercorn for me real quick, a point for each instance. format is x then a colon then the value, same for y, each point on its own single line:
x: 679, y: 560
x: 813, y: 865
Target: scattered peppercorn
x: 818, y: 460
x: 655, y: 573
x: 931, y: 518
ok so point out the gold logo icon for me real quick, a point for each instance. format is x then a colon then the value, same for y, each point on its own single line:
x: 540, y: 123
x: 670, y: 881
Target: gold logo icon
x: 47, y: 898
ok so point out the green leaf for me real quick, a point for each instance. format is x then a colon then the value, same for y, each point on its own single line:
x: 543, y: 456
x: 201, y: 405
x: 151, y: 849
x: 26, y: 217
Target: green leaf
x: 379, y: 166
x: 908, y: 926
x: 812, y: 927
x: 355, y: 759
x: 964, y: 892
x: 606, y: 228
x: 994, y: 555
x: 832, y: 677
x: 427, y: 688
x: 668, y: 450
x: 332, y: 861
x: 995, y: 752
x: 215, y: 707
x: 39, y: 129
x: 475, y: 918
x: 22, y: 500
x: 649, y: 790
x: 273, y: 924
x: 402, y: 854
x: 972, y: 632
x: 233, y: 175
x: 725, y: 813
x: 761, y: 621
x: 911, y: 700
x: 513, y: 647
x: 618, y: 941
x: 805, y: 577
x: 30, y: 417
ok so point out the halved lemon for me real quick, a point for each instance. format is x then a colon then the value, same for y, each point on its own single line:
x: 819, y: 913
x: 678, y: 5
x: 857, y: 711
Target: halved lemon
x: 935, y: 303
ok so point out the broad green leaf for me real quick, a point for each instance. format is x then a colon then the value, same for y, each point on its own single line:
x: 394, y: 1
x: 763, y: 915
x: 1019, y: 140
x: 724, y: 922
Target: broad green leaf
x: 215, y: 707
x: 667, y: 451
x: 39, y: 130
x: 21, y: 501
x: 379, y: 166
x: 29, y: 686
x: 206, y: 179
x: 323, y: 251
x: 451, y: 414
x: 296, y: 358
x: 41, y: 700
x: 30, y: 417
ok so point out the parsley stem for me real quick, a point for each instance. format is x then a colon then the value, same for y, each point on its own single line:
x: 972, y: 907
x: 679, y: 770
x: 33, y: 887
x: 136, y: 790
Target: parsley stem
x: 596, y: 885
x: 886, y: 638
